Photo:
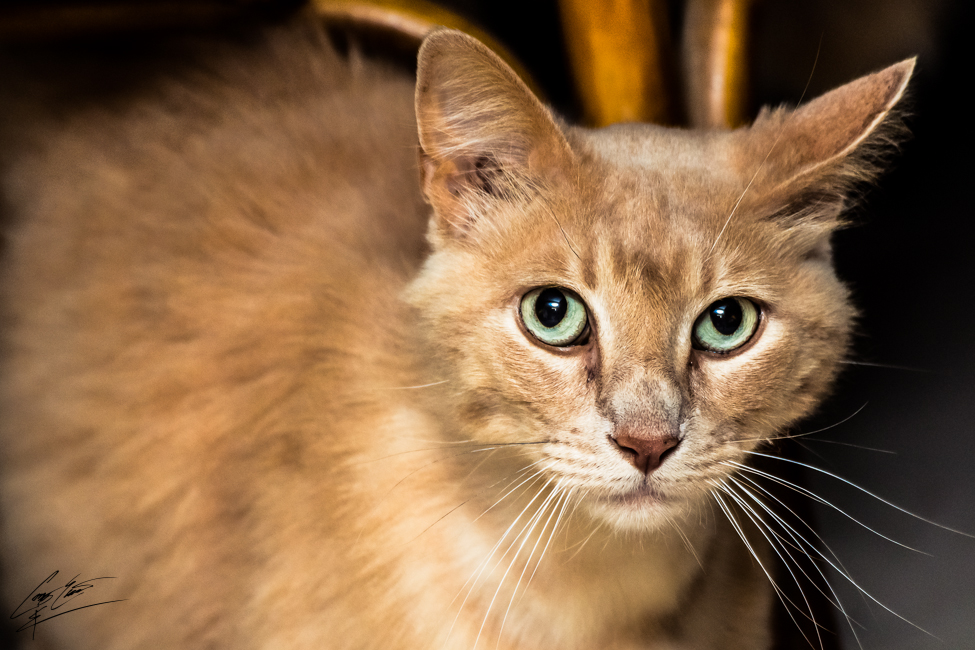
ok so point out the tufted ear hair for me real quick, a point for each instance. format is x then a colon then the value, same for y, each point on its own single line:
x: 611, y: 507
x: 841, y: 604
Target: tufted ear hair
x: 811, y: 159
x: 484, y: 137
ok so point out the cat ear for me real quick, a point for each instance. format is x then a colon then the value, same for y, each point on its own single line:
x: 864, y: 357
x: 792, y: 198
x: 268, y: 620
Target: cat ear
x: 484, y: 136
x: 816, y: 155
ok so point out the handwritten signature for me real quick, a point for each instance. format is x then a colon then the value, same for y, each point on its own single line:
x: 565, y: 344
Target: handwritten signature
x: 40, y: 606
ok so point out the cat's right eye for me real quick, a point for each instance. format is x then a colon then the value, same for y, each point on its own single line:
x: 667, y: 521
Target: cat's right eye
x: 555, y: 316
x: 726, y: 325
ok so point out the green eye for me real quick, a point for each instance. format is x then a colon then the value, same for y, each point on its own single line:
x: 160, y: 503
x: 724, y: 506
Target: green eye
x: 554, y: 316
x: 726, y: 325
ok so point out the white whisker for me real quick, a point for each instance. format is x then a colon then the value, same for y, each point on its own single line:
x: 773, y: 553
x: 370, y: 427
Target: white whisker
x: 436, y: 383
x: 818, y: 499
x: 478, y: 493
x: 800, y: 541
x: 565, y: 503
x: 530, y: 480
x: 504, y: 496
x: 741, y: 197
x: 794, y: 436
x: 479, y: 570
x: 761, y: 525
x: 541, y: 533
x: 772, y: 496
x: 870, y: 596
x: 741, y: 534
x: 687, y: 543
x: 476, y: 448
x: 848, y: 444
x: 838, y: 566
x: 596, y: 527
x: 524, y: 535
x: 883, y: 365
x: 765, y: 160
x: 867, y: 492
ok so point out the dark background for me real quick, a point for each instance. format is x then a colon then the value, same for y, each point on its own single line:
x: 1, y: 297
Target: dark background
x: 908, y: 257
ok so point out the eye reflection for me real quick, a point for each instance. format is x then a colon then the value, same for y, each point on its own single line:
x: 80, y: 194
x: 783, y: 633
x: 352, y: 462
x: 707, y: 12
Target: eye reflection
x: 555, y: 316
x: 726, y: 325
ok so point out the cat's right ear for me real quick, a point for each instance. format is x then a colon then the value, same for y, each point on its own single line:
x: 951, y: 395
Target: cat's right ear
x: 484, y: 136
x: 812, y: 158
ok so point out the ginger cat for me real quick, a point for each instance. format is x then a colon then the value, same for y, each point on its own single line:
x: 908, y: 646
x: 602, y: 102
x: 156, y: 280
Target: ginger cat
x: 258, y: 391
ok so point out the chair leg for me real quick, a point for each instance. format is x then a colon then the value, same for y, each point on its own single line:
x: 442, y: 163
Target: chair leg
x: 715, y: 62
x: 622, y: 58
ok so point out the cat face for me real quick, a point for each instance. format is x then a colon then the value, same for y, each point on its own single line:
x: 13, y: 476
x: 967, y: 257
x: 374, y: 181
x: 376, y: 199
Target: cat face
x: 641, y: 306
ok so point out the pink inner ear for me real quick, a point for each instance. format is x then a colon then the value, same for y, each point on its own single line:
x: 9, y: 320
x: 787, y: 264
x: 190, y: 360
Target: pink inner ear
x: 457, y: 185
x: 831, y: 128
x: 481, y: 129
x: 843, y: 119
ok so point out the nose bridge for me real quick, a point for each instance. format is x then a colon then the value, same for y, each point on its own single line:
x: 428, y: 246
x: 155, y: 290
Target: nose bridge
x: 644, y: 367
x: 644, y: 391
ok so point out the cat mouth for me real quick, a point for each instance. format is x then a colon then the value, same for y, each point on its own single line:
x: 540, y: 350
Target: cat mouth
x: 642, y: 495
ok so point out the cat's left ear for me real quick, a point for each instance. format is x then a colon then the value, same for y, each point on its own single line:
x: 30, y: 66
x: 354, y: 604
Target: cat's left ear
x: 812, y: 158
x: 484, y: 136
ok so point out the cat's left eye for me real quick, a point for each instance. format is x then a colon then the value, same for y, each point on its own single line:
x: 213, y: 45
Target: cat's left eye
x: 555, y: 316
x: 726, y: 325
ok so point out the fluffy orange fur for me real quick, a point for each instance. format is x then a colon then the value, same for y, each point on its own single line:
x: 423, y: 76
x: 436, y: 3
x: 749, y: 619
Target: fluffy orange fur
x: 250, y: 373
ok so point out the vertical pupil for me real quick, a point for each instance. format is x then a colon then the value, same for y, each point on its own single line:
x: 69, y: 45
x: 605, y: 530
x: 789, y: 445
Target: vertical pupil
x: 550, y: 307
x: 726, y: 316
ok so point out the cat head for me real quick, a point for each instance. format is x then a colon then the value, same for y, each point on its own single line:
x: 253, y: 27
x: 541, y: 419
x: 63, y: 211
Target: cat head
x: 644, y: 305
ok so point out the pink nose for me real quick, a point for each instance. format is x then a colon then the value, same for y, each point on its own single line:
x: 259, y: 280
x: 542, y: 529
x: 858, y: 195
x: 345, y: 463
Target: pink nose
x: 644, y: 449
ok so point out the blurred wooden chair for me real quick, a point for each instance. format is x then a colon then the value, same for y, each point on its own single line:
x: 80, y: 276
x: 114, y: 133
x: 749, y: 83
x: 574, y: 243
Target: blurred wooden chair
x: 621, y: 53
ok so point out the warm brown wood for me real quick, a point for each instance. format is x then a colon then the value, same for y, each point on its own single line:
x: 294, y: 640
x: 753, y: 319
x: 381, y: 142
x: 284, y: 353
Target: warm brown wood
x: 410, y: 21
x: 621, y: 57
x: 714, y: 62
x: 414, y: 18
